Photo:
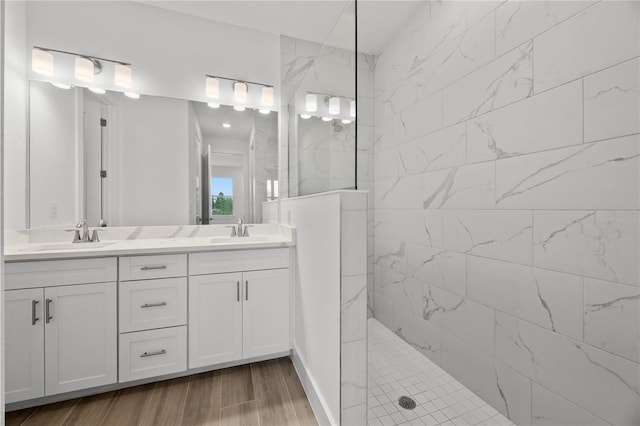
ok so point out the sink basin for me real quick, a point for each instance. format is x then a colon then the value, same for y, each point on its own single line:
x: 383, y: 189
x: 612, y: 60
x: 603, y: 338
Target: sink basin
x: 67, y: 246
x: 235, y: 240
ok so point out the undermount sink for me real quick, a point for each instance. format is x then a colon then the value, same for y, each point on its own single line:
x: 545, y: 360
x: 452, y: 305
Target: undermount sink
x: 68, y: 246
x: 249, y: 239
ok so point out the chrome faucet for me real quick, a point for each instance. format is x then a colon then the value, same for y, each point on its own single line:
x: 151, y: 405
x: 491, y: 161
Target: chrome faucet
x: 86, y: 236
x: 240, y: 230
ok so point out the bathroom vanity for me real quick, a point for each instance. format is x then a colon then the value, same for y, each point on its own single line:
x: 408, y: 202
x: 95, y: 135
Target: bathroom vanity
x: 89, y: 317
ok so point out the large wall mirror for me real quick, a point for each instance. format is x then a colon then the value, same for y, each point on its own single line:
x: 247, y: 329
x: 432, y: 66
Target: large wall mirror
x: 120, y: 161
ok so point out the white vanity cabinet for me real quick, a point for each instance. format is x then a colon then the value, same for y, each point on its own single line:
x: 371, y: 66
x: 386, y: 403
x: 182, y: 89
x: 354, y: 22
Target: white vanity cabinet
x: 61, y: 327
x: 238, y: 315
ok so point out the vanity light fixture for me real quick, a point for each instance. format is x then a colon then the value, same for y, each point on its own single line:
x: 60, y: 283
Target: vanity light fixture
x: 132, y: 95
x: 239, y: 108
x: 62, y: 86
x: 239, y: 92
x: 352, y: 108
x: 305, y: 116
x: 41, y: 61
x: 98, y: 90
x: 84, y: 69
x: 264, y: 111
x: 334, y: 105
x: 123, y: 75
x: 226, y: 125
x: 212, y: 87
x: 267, y: 96
x: 327, y: 118
x: 213, y: 105
x: 311, y: 102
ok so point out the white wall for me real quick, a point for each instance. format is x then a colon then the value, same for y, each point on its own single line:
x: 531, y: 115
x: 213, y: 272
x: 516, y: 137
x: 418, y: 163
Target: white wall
x: 316, y: 334
x: 15, y: 103
x: 507, y: 185
x: 152, y: 169
x: 54, y: 159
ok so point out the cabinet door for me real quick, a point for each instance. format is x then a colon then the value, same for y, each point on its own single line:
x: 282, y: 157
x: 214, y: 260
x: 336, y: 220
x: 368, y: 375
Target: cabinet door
x: 215, y: 319
x: 265, y: 312
x: 80, y: 336
x: 24, y: 344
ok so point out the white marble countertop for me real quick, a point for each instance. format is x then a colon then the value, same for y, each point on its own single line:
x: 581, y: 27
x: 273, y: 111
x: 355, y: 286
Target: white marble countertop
x: 50, y: 244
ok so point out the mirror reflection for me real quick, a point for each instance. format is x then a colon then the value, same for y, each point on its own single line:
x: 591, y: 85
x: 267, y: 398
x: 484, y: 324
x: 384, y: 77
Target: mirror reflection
x: 120, y: 161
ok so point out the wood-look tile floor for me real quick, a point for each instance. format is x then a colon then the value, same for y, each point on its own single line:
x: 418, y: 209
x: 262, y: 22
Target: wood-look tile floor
x: 264, y: 393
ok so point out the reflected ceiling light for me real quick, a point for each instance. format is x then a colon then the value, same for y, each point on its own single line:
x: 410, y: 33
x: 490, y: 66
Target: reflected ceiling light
x: 264, y: 111
x: 41, y: 61
x: 84, y: 69
x: 132, y: 95
x: 334, y: 106
x: 213, y: 87
x: 239, y: 108
x: 352, y: 108
x: 98, y: 90
x: 226, y: 125
x: 311, y: 103
x: 62, y: 86
x: 267, y: 96
x: 346, y: 121
x: 213, y: 105
x: 239, y: 92
x: 305, y: 116
x: 327, y: 118
x: 123, y: 75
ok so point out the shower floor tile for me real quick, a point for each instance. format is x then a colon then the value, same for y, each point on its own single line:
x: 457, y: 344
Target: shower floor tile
x: 396, y: 369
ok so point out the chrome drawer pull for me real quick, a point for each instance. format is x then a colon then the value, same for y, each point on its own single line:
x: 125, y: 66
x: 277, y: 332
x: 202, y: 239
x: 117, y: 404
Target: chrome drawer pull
x: 47, y: 316
x: 153, y: 305
x: 148, y: 354
x: 34, y: 318
x: 153, y: 267
x: 246, y: 290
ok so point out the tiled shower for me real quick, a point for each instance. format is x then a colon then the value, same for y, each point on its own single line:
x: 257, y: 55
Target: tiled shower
x: 506, y: 204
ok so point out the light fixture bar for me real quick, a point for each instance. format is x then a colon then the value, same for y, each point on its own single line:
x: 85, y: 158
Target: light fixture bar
x: 46, y: 49
x: 239, y: 80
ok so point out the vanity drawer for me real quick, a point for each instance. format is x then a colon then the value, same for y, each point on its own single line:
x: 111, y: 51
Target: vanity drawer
x: 148, y: 267
x: 50, y: 273
x: 152, y: 353
x: 240, y: 260
x: 152, y: 304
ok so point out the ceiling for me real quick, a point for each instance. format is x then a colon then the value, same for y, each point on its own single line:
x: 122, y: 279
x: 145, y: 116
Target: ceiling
x: 310, y: 20
x: 211, y: 119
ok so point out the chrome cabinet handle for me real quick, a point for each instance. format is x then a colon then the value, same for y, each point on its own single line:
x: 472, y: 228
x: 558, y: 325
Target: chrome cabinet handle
x: 153, y: 305
x: 47, y: 316
x: 237, y: 291
x: 153, y: 267
x: 34, y: 318
x: 246, y: 290
x: 148, y: 354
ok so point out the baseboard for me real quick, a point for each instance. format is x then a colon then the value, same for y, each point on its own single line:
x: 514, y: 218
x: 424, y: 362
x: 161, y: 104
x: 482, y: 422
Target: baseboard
x: 318, y: 404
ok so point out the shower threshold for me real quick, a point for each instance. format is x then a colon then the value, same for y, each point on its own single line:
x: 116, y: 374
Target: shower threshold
x: 397, y: 370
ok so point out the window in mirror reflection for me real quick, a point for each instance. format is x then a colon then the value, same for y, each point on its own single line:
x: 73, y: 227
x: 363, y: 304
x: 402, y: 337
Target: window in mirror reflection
x: 221, y: 196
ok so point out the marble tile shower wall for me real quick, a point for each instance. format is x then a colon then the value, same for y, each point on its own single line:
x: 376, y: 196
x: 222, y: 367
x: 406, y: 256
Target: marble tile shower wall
x: 507, y: 185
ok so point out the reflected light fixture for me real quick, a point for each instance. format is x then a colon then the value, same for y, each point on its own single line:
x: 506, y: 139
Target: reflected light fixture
x: 98, y: 90
x: 334, y: 105
x: 239, y: 108
x: 213, y: 105
x: 311, y: 102
x: 62, y: 86
x: 41, y: 61
x: 240, y: 92
x: 352, y: 108
x: 264, y: 111
x: 123, y: 75
x: 132, y: 95
x: 346, y: 121
x: 84, y: 69
x: 327, y: 118
x: 267, y: 96
x: 226, y: 125
x: 305, y: 116
x: 213, y: 87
